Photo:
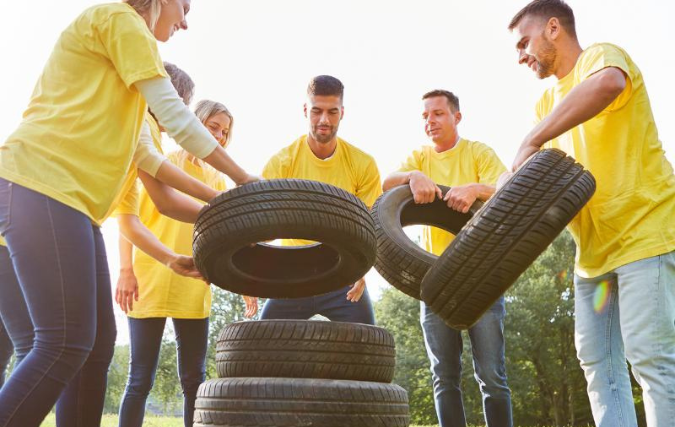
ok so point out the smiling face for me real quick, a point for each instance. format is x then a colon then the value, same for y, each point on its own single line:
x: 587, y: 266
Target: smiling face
x: 324, y: 114
x: 535, y: 45
x: 440, y: 122
x: 171, y: 19
x: 219, y: 126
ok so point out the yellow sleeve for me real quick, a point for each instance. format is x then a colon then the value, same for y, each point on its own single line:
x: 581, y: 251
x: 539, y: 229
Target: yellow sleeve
x: 370, y: 187
x: 131, y: 48
x: 412, y: 163
x: 604, y: 55
x: 130, y: 204
x: 490, y: 167
x: 275, y: 168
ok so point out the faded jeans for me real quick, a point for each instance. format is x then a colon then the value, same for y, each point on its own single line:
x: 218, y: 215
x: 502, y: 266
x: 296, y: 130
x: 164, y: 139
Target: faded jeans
x: 629, y: 314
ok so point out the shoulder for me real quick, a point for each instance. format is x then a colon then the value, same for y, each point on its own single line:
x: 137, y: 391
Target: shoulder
x: 355, y: 153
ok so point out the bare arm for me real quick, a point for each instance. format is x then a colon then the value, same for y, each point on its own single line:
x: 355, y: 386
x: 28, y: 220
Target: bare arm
x: 460, y: 198
x: 126, y: 291
x: 585, y: 101
x: 423, y: 188
x: 181, y: 181
x: 168, y: 201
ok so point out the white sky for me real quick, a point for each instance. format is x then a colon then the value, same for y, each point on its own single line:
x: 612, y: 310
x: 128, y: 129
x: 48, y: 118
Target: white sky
x: 256, y: 56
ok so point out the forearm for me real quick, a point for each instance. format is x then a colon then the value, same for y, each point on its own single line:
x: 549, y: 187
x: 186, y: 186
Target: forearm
x: 222, y: 161
x: 484, y: 192
x: 138, y: 235
x: 126, y: 253
x: 395, y: 179
x: 168, y: 201
x: 181, y: 181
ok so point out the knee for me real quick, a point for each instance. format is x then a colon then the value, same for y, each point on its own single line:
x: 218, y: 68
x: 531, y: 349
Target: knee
x: 190, y: 380
x: 140, y: 381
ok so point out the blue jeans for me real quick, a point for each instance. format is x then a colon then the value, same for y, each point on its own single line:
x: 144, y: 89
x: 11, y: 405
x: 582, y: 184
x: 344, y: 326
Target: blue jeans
x: 6, y: 351
x: 444, y: 348
x: 60, y: 261
x: 333, y: 305
x: 146, y: 340
x: 628, y: 313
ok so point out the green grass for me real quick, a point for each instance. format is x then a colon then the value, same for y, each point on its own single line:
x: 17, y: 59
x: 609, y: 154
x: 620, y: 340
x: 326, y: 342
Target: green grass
x: 111, y: 421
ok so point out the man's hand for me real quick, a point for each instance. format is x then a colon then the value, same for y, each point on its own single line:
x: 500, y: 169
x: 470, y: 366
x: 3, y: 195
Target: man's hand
x: 356, y: 291
x: 461, y: 198
x: 424, y: 190
x: 249, y: 179
x: 185, y: 266
x: 127, y: 290
x: 525, y: 151
x: 251, y: 306
x: 503, y: 178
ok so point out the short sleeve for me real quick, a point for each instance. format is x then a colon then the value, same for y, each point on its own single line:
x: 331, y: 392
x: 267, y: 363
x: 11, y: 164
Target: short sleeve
x: 601, y: 56
x: 412, y: 163
x: 490, y: 167
x: 131, y: 48
x: 370, y: 187
x: 274, y: 169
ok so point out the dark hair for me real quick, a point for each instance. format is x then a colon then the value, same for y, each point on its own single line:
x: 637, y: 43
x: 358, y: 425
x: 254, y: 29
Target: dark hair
x: 453, y: 101
x: 181, y: 81
x: 548, y: 9
x: 325, y: 86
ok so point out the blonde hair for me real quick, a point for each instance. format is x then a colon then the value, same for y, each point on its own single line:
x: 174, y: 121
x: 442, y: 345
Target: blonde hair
x: 150, y: 9
x: 204, y: 110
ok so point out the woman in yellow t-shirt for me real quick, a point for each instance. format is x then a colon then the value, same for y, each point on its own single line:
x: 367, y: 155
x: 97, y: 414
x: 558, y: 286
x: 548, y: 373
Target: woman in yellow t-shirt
x: 59, y: 173
x: 160, y: 293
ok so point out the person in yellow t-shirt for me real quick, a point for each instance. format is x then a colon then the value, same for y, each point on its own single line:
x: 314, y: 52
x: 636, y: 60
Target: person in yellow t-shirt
x: 471, y: 169
x: 322, y: 156
x: 158, y: 292
x: 599, y: 112
x: 59, y: 174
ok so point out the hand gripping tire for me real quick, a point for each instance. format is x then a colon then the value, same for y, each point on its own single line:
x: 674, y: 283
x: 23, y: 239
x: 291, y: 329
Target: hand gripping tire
x: 400, y: 261
x: 506, y: 236
x: 228, y: 231
x: 292, y: 402
x: 306, y: 349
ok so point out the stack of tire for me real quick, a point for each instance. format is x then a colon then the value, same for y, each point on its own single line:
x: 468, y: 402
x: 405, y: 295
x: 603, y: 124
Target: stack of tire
x: 494, y: 243
x: 291, y: 373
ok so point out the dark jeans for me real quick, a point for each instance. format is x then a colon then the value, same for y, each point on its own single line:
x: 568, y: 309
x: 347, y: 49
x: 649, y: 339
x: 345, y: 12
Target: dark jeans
x: 444, y: 348
x: 60, y: 261
x: 146, y: 340
x: 333, y: 305
x: 6, y: 350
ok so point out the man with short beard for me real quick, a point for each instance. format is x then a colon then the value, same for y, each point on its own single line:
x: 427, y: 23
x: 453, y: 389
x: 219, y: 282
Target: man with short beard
x: 322, y: 156
x: 599, y: 113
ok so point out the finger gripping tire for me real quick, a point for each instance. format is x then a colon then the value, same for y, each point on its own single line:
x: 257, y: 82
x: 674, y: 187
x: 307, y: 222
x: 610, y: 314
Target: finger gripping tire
x: 291, y: 402
x: 306, y: 349
x: 506, y: 236
x: 400, y: 261
x: 228, y: 229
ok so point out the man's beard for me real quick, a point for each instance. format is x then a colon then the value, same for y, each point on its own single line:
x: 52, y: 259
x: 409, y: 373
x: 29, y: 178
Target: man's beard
x: 324, y: 138
x: 548, y: 55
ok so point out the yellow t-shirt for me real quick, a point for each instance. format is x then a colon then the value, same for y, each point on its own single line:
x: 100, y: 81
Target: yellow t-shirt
x: 348, y: 168
x: 630, y: 217
x: 128, y: 200
x: 78, y: 135
x: 164, y: 293
x: 468, y: 162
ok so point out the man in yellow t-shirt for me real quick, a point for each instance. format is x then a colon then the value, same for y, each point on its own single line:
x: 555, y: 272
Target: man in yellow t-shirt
x: 471, y: 169
x: 599, y: 112
x: 322, y: 156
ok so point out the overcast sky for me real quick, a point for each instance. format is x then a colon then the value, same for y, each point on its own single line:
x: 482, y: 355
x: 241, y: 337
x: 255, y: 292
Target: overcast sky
x: 256, y: 56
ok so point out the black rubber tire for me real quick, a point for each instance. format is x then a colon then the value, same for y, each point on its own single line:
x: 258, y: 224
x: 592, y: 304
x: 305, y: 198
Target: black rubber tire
x: 400, y: 261
x: 306, y: 349
x: 506, y: 236
x: 292, y: 402
x: 228, y: 229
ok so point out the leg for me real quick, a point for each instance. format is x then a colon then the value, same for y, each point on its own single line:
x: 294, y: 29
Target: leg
x: 81, y: 403
x: 192, y: 336
x: 489, y: 365
x: 335, y: 306
x: 444, y: 348
x: 13, y: 309
x: 600, y: 351
x: 52, y: 250
x: 6, y: 351
x: 292, y: 308
x: 145, y: 337
x: 647, y: 301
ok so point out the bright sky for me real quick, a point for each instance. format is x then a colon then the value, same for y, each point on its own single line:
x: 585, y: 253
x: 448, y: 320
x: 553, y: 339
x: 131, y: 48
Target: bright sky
x: 256, y: 56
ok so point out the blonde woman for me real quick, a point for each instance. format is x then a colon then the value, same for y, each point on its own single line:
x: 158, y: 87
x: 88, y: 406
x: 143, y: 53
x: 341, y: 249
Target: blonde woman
x: 60, y: 172
x: 150, y: 293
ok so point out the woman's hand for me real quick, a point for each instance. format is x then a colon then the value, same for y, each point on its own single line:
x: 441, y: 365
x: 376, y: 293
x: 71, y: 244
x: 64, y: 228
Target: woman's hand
x: 127, y: 290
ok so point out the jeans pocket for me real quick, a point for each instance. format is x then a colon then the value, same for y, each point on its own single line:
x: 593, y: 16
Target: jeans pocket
x: 5, y: 204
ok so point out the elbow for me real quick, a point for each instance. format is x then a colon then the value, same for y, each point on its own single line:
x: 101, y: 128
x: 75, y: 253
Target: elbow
x: 613, y: 83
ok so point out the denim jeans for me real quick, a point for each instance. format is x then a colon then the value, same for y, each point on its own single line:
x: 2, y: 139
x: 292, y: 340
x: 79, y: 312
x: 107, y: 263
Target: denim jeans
x: 6, y: 351
x: 629, y: 313
x: 146, y: 340
x: 333, y: 305
x: 60, y: 261
x: 444, y: 348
